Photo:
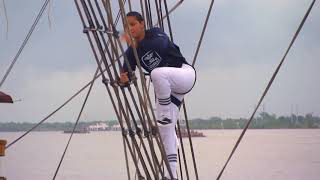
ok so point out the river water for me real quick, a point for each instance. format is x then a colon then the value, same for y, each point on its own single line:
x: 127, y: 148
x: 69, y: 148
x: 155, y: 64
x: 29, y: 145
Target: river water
x: 262, y: 155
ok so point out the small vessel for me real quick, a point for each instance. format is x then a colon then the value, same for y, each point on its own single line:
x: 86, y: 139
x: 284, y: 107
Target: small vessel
x: 77, y: 131
x: 193, y: 133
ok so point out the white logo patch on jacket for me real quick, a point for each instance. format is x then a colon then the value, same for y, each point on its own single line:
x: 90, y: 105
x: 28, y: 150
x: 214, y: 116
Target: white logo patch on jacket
x: 151, y: 59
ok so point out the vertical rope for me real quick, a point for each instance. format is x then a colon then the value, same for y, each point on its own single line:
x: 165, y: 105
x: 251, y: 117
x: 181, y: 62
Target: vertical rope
x: 141, y: 118
x: 168, y: 19
x: 143, y: 13
x: 190, y: 141
x: 159, y: 140
x: 129, y: 4
x: 126, y: 158
x: 159, y: 14
x: 49, y: 14
x: 148, y: 18
x: 105, y: 81
x: 6, y: 17
x: 267, y: 88
x: 182, y: 148
x: 150, y: 13
x: 185, y: 112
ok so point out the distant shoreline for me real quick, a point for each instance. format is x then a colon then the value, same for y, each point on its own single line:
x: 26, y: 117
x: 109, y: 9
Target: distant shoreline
x: 262, y: 121
x: 39, y: 131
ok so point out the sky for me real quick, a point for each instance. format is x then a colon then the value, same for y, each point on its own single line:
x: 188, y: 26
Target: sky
x: 244, y: 42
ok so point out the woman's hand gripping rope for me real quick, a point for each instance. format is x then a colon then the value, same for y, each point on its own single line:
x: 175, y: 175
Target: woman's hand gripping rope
x: 124, y: 79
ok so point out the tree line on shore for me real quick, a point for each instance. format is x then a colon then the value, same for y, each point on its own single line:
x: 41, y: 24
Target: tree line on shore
x: 263, y: 121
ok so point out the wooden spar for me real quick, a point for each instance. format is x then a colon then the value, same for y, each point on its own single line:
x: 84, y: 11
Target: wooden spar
x: 4, y: 98
x: 2, y: 153
x: 2, y: 146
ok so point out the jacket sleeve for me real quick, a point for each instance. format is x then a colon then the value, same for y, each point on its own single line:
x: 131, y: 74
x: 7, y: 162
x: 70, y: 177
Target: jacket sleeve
x: 130, y: 57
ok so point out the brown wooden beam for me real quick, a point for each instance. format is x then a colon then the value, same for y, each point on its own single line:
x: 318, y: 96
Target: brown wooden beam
x: 4, y: 98
x: 2, y: 147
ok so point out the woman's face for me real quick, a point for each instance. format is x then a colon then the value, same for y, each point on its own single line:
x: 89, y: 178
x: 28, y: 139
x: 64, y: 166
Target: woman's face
x: 136, y: 28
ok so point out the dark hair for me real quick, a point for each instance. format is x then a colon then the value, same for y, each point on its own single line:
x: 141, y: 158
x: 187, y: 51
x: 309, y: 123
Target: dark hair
x: 137, y: 15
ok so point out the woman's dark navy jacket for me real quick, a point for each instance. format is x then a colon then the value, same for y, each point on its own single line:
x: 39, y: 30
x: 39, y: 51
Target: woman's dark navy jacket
x: 155, y: 50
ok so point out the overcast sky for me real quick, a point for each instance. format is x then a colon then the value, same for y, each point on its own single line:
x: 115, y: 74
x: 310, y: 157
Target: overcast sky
x: 244, y: 42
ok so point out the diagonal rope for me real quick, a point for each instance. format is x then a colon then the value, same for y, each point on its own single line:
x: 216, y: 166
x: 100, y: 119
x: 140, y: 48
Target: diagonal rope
x: 65, y: 103
x: 170, y: 11
x: 184, y: 104
x: 143, y: 82
x: 24, y: 42
x: 202, y: 33
x: 74, y: 127
x: 114, y: 68
x: 194, y: 60
x: 96, y: 46
x: 267, y: 88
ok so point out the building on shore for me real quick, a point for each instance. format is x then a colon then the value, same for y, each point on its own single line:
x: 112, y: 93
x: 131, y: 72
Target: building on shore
x: 115, y: 127
x: 98, y: 127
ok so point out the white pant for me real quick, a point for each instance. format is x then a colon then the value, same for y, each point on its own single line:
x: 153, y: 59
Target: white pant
x: 167, y: 82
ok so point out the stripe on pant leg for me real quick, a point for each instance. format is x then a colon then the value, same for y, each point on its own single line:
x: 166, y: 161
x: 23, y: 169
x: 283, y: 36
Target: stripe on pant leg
x: 175, y: 101
x: 165, y: 101
x: 172, y: 157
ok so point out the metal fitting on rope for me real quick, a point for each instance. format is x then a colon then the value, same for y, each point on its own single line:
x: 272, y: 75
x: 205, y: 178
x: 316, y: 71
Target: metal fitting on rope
x: 131, y: 133
x: 115, y: 32
x: 105, y: 81
x: 133, y: 76
x: 154, y: 130
x: 123, y: 85
x: 124, y: 132
x: 99, y: 29
x: 141, y: 177
x: 138, y: 131
x: 87, y: 29
x: 114, y: 84
x: 108, y: 31
x: 146, y: 133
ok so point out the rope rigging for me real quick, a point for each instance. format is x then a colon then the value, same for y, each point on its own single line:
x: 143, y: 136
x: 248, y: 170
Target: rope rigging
x: 98, y: 74
x: 93, y: 24
x: 142, y: 78
x: 105, y: 81
x: 65, y: 103
x: 117, y: 95
x: 132, y: 103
